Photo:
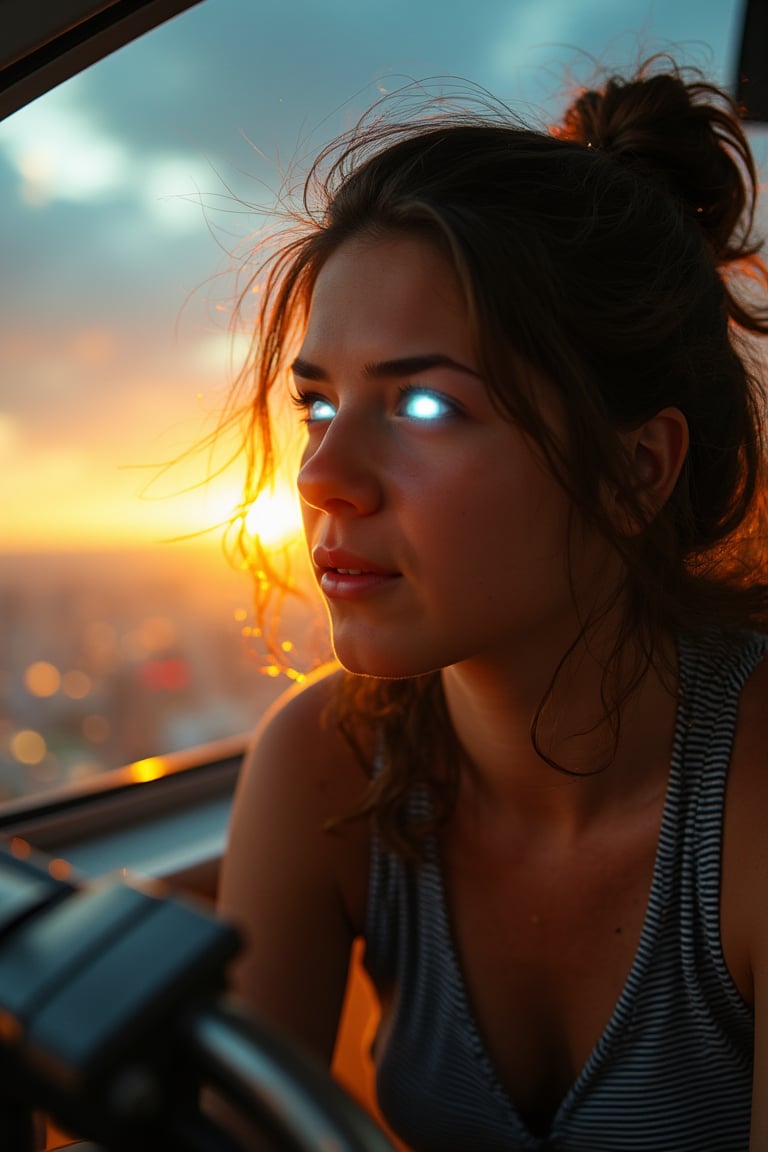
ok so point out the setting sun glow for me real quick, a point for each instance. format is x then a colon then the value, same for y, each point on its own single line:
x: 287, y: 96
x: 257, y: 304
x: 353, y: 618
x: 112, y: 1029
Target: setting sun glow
x: 275, y: 518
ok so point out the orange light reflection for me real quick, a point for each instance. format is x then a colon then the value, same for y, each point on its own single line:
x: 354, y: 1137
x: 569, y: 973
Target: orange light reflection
x: 150, y: 769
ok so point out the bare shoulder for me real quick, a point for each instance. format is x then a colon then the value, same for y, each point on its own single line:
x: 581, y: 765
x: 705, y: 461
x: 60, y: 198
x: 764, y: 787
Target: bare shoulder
x: 298, y: 753
x: 744, y: 896
x: 747, y: 796
x: 298, y: 722
x: 294, y: 886
x: 299, y: 775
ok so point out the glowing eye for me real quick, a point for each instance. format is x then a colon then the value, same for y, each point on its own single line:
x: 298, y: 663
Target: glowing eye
x: 425, y: 406
x: 319, y: 410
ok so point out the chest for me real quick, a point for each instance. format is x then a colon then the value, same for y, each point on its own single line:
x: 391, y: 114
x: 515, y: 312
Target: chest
x: 546, y: 941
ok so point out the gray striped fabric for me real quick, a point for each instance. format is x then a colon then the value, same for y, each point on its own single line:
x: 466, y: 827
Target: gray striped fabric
x: 673, y: 1069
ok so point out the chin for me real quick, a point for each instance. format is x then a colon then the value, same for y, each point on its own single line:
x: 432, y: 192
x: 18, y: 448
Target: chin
x: 383, y: 665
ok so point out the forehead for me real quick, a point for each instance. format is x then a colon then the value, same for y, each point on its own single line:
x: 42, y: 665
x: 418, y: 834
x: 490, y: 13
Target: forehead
x: 397, y: 288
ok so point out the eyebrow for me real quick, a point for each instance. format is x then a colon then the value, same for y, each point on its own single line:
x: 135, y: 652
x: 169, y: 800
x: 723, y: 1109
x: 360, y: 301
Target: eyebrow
x: 399, y: 368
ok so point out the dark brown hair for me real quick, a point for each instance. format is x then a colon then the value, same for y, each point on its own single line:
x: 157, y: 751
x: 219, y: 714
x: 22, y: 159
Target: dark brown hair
x: 604, y: 255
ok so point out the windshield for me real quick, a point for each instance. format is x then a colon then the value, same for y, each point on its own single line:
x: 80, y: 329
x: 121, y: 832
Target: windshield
x: 128, y: 195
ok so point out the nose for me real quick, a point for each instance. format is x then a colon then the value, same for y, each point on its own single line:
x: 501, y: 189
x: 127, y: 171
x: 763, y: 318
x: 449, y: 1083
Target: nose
x: 340, y: 473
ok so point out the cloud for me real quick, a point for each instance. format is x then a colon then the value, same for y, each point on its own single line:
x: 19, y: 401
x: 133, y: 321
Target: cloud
x: 60, y: 152
x: 173, y: 190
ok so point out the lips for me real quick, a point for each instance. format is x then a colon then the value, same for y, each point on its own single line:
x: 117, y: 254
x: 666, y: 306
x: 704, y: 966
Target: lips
x: 346, y: 563
x: 344, y: 575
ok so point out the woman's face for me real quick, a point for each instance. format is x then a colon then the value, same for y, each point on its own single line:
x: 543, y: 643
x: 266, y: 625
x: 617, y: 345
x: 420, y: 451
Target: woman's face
x: 437, y: 533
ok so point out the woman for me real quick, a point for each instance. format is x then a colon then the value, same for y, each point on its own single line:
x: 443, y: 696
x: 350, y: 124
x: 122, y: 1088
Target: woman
x: 533, y: 499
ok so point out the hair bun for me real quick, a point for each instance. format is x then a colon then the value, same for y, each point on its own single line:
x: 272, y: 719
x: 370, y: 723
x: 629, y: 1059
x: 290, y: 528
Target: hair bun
x: 687, y: 137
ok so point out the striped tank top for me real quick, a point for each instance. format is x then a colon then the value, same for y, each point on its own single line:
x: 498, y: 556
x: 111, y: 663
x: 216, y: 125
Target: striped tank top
x: 672, y: 1071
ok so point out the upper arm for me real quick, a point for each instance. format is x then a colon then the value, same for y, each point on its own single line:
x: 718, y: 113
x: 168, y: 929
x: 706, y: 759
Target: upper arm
x: 759, y: 1129
x: 744, y: 896
x: 758, y: 1140
x: 293, y: 888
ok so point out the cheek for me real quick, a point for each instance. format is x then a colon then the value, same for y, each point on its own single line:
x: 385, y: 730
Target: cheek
x: 512, y: 510
x: 514, y: 540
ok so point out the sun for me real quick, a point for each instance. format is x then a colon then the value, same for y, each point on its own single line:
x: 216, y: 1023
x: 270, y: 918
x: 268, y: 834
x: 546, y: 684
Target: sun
x: 275, y: 517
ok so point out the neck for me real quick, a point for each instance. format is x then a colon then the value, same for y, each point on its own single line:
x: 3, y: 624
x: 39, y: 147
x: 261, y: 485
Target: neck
x: 494, y: 710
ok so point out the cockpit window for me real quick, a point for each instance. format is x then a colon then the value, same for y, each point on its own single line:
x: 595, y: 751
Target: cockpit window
x: 126, y: 193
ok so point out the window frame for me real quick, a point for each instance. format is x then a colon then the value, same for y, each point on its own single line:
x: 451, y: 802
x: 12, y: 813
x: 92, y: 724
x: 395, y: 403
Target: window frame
x: 171, y: 827
x: 45, y: 44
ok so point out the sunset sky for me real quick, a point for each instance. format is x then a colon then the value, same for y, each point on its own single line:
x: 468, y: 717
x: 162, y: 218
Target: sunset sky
x: 120, y: 215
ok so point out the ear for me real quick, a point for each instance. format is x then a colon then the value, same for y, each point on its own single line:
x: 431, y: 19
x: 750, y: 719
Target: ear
x: 656, y: 450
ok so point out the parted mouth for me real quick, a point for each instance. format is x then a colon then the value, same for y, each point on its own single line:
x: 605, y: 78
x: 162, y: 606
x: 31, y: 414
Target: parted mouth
x: 346, y: 564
